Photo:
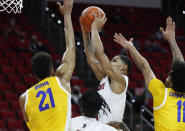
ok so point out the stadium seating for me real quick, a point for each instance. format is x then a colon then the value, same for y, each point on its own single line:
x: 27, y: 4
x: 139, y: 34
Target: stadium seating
x: 15, y: 58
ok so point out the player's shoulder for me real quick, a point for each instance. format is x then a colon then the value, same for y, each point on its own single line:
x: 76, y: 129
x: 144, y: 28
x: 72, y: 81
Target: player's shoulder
x: 104, y: 127
x: 156, y: 82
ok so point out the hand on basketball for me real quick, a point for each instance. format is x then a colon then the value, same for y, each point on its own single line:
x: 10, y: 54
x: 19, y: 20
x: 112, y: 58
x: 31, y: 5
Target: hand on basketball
x: 66, y: 8
x: 99, y: 22
x: 120, y: 39
x: 169, y: 32
x: 82, y: 27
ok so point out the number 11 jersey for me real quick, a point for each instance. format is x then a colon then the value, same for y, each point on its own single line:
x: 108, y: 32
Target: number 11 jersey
x: 48, y: 106
x: 168, y: 107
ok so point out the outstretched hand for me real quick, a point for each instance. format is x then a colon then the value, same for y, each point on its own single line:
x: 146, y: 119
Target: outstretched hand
x: 120, y: 39
x: 66, y: 8
x: 169, y: 32
x: 98, y: 22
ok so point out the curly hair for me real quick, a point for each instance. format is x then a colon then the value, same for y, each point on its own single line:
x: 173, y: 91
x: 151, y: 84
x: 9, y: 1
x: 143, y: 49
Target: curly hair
x: 91, y: 102
x: 41, y: 64
x: 177, y: 75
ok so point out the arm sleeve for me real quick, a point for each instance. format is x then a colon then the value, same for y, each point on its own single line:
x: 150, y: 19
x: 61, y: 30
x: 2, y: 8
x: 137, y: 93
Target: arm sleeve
x: 157, y: 89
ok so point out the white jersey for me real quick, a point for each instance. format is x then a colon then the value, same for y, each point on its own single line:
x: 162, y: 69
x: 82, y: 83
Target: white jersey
x: 115, y: 101
x: 83, y: 123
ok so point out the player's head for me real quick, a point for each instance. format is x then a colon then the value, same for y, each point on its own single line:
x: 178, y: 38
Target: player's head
x: 122, y: 63
x: 176, y: 77
x: 91, y: 102
x: 42, y: 65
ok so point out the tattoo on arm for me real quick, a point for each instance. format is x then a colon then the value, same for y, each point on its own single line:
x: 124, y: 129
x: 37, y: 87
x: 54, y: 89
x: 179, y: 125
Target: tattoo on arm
x: 177, y: 55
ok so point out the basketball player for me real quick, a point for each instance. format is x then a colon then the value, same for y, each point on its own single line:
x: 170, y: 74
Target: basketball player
x: 112, y: 74
x: 168, y: 98
x: 90, y: 104
x: 46, y: 106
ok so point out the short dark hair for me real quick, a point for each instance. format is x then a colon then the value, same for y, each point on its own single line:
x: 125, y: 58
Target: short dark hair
x: 127, y: 61
x: 91, y: 102
x: 41, y: 64
x: 177, y: 75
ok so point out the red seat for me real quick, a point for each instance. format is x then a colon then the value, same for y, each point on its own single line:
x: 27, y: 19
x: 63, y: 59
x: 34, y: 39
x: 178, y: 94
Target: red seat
x: 5, y: 87
x: 8, y: 70
x: 4, y: 105
x: 5, y: 47
x: 83, y: 90
x: 8, y: 115
x: 26, y: 55
x: 4, y: 62
x: 15, y: 105
x: 15, y: 125
x: 11, y: 96
x: 78, y: 82
x: 2, y: 124
x: 20, y: 88
x: 14, y: 79
x: 30, y: 80
x: 17, y: 62
x: 133, y: 84
x: 2, y: 78
x: 10, y: 54
x: 23, y: 70
x: 20, y: 115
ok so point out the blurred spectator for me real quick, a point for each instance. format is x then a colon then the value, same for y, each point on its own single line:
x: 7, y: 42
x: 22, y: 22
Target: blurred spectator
x: 116, y: 19
x: 75, y: 95
x: 22, y: 36
x: 158, y: 35
x: 12, y: 30
x: 34, y: 44
x: 152, y: 45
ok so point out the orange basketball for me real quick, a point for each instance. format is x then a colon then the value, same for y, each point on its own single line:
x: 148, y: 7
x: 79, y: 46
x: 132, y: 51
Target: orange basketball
x: 87, y: 16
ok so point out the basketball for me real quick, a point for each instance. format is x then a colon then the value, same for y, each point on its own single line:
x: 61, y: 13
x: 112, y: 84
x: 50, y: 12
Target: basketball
x: 87, y: 16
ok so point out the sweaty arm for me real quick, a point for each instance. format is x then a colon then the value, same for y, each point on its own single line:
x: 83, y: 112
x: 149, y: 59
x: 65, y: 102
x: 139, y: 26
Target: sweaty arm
x: 115, y: 76
x: 22, y: 100
x: 142, y: 64
x: 139, y: 60
x: 93, y: 63
x: 65, y: 70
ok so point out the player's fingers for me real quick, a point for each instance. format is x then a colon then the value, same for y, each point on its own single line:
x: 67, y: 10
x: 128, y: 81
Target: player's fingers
x: 59, y: 4
x: 116, y: 36
x: 117, y: 41
x: 131, y: 39
x: 174, y: 25
x: 104, y: 20
x: 162, y: 30
x: 122, y: 36
x: 170, y: 22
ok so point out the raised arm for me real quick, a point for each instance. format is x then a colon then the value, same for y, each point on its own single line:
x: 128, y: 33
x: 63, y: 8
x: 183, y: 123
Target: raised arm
x: 139, y: 60
x: 65, y: 70
x: 169, y: 35
x: 91, y: 59
x: 105, y: 63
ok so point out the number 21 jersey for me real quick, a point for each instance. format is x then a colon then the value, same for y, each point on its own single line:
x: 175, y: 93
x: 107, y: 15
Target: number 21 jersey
x: 48, y: 106
x: 168, y: 107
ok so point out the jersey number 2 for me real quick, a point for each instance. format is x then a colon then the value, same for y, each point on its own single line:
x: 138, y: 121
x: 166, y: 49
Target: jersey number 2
x: 44, y: 94
x: 179, y: 103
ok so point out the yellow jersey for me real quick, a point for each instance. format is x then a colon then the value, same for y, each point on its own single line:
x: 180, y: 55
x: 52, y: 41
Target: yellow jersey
x: 168, y: 107
x: 48, y: 106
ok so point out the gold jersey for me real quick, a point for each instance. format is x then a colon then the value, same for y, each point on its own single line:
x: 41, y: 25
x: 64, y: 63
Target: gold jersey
x: 168, y: 107
x: 48, y: 106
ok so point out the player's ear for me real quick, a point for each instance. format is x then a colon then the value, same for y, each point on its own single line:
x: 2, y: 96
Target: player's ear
x: 123, y: 68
